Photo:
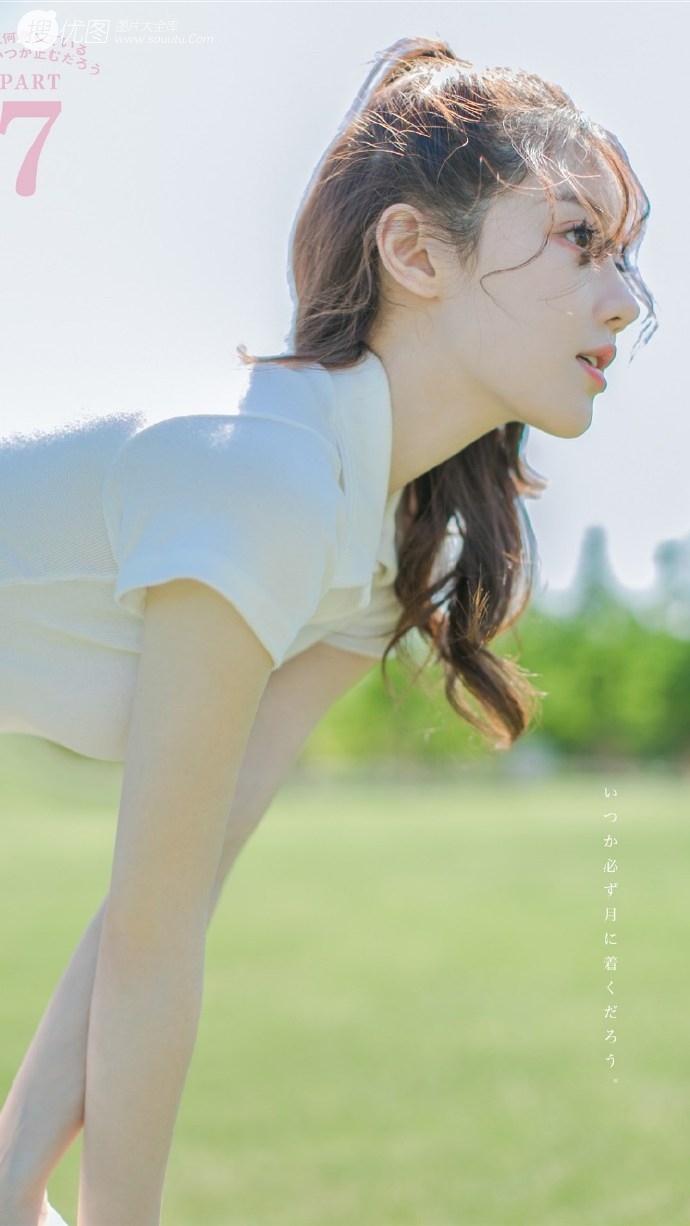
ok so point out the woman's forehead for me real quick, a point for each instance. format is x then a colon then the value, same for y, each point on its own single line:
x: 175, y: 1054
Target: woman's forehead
x: 594, y: 187
x: 586, y: 173
x: 599, y: 189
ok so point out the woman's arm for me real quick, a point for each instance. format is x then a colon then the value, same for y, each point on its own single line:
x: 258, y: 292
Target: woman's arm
x: 201, y: 675
x: 44, y: 1111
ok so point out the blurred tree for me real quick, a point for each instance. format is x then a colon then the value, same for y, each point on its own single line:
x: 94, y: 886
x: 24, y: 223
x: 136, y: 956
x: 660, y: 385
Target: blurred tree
x: 613, y: 687
x: 670, y: 605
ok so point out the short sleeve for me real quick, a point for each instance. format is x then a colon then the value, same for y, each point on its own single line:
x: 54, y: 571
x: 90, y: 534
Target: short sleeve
x: 250, y: 505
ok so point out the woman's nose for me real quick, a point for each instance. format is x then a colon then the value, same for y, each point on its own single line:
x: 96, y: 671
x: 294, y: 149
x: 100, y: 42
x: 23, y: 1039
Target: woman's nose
x: 620, y: 306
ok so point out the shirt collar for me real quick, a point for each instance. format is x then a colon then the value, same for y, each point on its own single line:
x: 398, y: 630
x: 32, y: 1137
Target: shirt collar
x: 364, y: 426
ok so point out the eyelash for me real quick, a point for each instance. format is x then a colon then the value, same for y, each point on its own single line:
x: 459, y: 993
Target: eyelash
x: 588, y: 231
x: 605, y: 248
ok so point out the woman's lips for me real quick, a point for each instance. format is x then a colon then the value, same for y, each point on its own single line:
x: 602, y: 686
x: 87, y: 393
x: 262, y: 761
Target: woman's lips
x: 596, y: 374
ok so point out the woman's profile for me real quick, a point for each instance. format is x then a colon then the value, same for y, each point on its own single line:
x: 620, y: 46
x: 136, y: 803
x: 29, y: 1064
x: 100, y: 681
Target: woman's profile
x: 190, y: 597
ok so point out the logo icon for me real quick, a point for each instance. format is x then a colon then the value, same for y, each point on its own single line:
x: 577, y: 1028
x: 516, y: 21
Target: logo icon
x: 38, y: 28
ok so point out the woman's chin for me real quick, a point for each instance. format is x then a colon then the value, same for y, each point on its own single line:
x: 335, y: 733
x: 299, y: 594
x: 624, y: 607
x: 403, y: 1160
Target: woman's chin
x: 566, y: 426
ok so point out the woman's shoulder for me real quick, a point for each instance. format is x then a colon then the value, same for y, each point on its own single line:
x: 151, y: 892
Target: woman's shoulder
x: 249, y: 502
x: 281, y: 427
x: 278, y: 408
x: 275, y: 452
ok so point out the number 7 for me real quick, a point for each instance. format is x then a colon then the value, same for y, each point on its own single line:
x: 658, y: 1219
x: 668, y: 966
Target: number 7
x: 26, y: 179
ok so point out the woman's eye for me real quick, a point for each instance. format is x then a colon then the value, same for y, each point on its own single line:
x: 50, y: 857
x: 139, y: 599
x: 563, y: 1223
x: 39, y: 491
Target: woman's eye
x: 595, y: 247
x: 585, y: 232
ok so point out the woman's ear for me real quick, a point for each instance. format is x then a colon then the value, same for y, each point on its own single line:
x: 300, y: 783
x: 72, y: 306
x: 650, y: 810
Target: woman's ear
x: 411, y: 256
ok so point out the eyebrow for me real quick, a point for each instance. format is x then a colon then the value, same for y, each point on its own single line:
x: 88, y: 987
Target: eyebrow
x: 567, y: 198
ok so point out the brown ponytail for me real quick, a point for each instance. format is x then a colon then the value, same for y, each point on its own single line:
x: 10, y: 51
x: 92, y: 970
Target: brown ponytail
x: 435, y: 132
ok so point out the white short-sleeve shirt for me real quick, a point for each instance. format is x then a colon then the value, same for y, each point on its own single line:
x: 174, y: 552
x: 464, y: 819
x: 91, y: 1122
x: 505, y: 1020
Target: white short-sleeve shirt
x: 280, y: 505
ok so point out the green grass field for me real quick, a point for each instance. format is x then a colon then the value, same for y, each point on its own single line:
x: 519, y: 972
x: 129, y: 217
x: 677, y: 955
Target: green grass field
x: 404, y: 1011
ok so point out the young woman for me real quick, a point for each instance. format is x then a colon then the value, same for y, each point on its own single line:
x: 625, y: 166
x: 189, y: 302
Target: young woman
x: 191, y: 596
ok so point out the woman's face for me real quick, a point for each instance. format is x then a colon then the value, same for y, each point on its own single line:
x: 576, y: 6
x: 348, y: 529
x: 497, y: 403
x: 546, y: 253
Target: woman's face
x: 513, y: 345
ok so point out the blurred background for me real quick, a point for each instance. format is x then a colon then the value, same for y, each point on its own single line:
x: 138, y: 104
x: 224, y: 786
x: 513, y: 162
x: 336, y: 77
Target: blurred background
x: 406, y: 988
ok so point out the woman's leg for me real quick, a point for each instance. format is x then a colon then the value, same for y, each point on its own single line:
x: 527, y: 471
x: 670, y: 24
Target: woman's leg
x: 44, y: 1111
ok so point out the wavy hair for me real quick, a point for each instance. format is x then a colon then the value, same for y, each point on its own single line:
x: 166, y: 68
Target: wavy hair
x: 434, y: 131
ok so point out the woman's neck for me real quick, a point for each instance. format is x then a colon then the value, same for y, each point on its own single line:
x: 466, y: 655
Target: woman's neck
x: 435, y: 413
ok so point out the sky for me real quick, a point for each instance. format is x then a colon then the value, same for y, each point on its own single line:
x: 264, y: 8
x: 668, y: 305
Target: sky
x: 156, y: 239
